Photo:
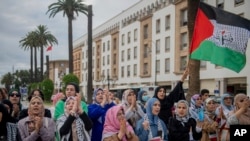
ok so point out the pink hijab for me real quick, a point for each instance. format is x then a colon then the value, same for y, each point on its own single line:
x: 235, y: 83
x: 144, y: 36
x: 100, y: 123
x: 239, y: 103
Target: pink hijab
x: 112, y: 124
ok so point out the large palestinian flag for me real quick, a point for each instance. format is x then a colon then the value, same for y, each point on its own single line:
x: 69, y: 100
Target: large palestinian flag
x: 220, y: 37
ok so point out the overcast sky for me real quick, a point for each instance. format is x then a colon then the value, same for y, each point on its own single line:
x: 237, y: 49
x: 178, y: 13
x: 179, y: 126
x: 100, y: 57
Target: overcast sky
x: 18, y: 17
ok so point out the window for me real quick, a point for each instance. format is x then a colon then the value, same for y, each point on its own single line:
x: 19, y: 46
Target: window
x: 158, y: 26
x: 145, y: 31
x: 167, y: 43
x: 128, y: 70
x: 135, y: 69
x: 103, y: 47
x: 157, y: 66
x: 220, y: 4
x: 203, y: 64
x: 129, y: 34
x: 114, y: 59
x: 184, y: 40
x: 114, y: 43
x: 183, y: 63
x: 122, y: 73
x: 135, y: 52
x: 158, y: 48
x: 83, y: 55
x: 129, y: 54
x: 145, y: 68
x: 123, y: 38
x: 108, y: 59
x: 98, y: 63
x: 103, y: 60
x: 237, y: 2
x: 167, y: 65
x: 122, y: 55
x: 184, y: 17
x: 167, y: 22
x: 135, y: 34
x: 108, y: 45
x: 145, y: 54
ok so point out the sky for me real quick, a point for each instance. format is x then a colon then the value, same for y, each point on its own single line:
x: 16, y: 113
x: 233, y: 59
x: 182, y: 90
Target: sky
x: 18, y: 17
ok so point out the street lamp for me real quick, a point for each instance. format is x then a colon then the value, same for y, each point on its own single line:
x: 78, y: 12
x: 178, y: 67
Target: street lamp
x: 108, y: 80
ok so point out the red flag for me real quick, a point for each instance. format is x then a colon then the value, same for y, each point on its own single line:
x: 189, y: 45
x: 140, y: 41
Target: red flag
x: 49, y: 48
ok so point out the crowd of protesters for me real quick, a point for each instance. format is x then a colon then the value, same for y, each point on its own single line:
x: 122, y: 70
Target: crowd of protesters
x: 136, y: 117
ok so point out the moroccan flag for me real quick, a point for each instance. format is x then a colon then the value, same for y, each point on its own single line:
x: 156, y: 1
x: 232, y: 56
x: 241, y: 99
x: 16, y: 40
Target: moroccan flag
x: 49, y: 48
x: 220, y: 37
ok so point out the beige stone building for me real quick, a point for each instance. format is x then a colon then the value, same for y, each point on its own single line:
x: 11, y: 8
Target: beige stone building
x: 147, y: 45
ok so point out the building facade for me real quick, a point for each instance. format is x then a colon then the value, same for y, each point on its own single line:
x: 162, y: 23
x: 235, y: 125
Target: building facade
x: 147, y: 45
x: 57, y: 69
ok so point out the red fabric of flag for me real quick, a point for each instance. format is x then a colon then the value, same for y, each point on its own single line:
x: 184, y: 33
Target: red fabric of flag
x: 49, y: 48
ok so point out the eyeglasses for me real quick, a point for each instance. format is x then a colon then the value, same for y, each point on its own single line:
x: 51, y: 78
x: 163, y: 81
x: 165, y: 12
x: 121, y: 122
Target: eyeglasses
x: 15, y: 94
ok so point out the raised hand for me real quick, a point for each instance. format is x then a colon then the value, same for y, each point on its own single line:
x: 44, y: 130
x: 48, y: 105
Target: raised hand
x: 122, y: 130
x: 185, y: 74
x: 38, y: 123
x: 133, y: 104
x: 145, y: 125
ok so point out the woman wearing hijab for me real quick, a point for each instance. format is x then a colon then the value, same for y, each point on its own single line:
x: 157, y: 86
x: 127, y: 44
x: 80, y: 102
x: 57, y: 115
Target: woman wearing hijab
x: 167, y: 102
x: 210, y: 126
x: 72, y: 89
x: 116, y: 128
x: 133, y: 111
x: 241, y: 114
x: 97, y: 111
x: 223, y: 111
x: 180, y: 125
x: 35, y: 92
x: 142, y: 98
x: 74, y: 124
x: 151, y: 126
x: 196, y: 109
x: 36, y: 127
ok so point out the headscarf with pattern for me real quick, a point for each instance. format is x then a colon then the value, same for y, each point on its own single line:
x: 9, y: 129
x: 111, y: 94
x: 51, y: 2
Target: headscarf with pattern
x: 112, y: 124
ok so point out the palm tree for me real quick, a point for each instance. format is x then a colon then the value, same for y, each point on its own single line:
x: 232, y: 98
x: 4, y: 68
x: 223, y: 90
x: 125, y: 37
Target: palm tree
x: 194, y: 65
x: 29, y: 42
x: 69, y: 8
x: 45, y: 38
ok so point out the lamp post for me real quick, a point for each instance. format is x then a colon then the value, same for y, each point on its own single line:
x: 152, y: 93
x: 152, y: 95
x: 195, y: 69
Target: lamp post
x: 108, y: 80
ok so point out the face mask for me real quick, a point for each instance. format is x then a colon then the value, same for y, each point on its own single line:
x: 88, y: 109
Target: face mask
x: 145, y: 98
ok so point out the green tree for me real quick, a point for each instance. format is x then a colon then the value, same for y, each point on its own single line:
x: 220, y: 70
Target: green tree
x: 47, y: 88
x: 45, y: 38
x: 69, y: 8
x: 194, y: 65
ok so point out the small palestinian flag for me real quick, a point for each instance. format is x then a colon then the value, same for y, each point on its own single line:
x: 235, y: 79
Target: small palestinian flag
x: 220, y: 37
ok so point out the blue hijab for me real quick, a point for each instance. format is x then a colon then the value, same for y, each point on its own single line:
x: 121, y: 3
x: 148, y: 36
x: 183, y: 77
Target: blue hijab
x: 153, y: 119
x: 95, y: 93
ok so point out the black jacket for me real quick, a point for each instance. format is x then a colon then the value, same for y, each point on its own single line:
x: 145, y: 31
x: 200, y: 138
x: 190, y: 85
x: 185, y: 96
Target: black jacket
x: 168, y: 102
x: 180, y: 132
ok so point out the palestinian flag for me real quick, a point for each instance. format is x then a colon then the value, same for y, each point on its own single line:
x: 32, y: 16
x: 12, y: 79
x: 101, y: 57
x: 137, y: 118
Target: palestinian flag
x: 220, y: 37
